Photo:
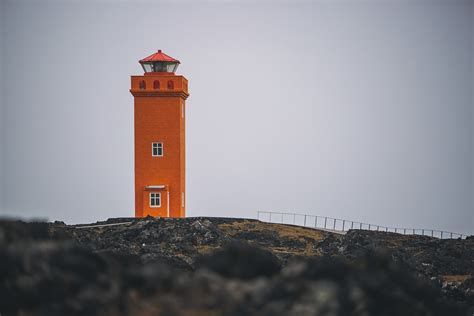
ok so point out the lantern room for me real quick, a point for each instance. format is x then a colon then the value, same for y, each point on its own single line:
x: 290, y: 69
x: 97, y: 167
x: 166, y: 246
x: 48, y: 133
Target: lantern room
x: 159, y: 62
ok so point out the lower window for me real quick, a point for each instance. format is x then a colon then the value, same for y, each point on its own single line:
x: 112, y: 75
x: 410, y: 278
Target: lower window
x: 155, y: 199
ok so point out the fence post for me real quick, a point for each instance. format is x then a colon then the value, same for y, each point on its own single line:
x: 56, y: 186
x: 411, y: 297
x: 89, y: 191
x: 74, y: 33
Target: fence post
x: 316, y: 222
x: 294, y: 219
x: 378, y: 227
x: 334, y: 225
x: 442, y: 235
x: 305, y: 220
x: 325, y: 221
x: 360, y: 226
x: 422, y: 232
x: 352, y: 225
x: 404, y: 231
x: 343, y: 224
x: 369, y: 226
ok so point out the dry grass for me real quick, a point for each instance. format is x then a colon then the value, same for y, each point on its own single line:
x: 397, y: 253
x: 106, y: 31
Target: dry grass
x: 305, y: 236
x: 456, y: 278
x: 204, y: 249
x: 288, y: 231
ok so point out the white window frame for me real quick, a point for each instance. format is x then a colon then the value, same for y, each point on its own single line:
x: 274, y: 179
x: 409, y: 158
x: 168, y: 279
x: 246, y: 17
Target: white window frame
x: 155, y: 196
x: 158, y: 145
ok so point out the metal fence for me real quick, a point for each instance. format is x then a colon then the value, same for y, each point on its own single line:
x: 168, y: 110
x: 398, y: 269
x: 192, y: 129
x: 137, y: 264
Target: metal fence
x: 343, y: 225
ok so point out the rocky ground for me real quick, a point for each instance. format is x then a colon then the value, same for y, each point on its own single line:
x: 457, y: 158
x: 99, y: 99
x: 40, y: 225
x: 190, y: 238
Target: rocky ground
x: 210, y: 266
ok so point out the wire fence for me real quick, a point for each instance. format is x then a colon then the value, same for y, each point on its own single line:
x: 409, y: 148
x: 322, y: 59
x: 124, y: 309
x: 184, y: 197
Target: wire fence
x: 343, y: 225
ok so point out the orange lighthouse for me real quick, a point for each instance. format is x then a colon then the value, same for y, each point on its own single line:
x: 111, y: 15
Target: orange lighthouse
x: 159, y: 97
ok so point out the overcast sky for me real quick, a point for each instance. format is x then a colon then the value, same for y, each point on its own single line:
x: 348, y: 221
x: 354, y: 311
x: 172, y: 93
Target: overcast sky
x: 354, y: 109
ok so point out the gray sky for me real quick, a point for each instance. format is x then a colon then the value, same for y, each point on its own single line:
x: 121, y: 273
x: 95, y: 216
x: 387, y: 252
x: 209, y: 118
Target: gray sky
x: 355, y: 109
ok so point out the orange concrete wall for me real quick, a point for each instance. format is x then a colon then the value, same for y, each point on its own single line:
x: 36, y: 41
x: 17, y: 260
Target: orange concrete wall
x: 159, y: 118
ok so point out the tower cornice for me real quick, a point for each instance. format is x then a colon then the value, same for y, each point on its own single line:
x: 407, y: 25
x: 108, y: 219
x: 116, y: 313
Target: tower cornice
x: 150, y: 93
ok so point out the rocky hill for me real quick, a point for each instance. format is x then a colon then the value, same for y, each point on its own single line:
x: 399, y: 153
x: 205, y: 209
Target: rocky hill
x: 218, y: 266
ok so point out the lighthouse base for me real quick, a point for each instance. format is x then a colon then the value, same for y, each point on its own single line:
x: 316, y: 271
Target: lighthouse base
x: 156, y: 201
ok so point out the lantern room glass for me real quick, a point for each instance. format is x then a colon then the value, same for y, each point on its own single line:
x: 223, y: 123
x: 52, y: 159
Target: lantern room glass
x: 160, y: 66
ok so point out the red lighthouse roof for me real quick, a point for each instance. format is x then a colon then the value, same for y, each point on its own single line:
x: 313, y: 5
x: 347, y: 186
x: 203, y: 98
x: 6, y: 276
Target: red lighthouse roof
x: 159, y: 56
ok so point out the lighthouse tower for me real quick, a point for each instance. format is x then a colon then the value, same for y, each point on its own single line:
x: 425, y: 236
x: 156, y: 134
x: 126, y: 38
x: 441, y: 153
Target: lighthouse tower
x: 159, y: 98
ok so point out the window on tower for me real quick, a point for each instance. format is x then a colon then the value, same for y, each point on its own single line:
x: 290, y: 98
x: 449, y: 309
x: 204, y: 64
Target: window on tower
x: 147, y: 67
x: 170, y: 85
x: 142, y: 85
x: 156, y: 85
x: 157, y: 149
x: 155, y: 199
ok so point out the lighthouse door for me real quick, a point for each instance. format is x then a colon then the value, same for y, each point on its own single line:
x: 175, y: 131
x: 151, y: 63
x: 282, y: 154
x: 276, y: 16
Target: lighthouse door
x: 156, y: 203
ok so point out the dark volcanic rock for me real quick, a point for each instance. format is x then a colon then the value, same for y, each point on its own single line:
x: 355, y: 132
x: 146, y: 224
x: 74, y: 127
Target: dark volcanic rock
x: 208, y: 266
x: 241, y: 261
